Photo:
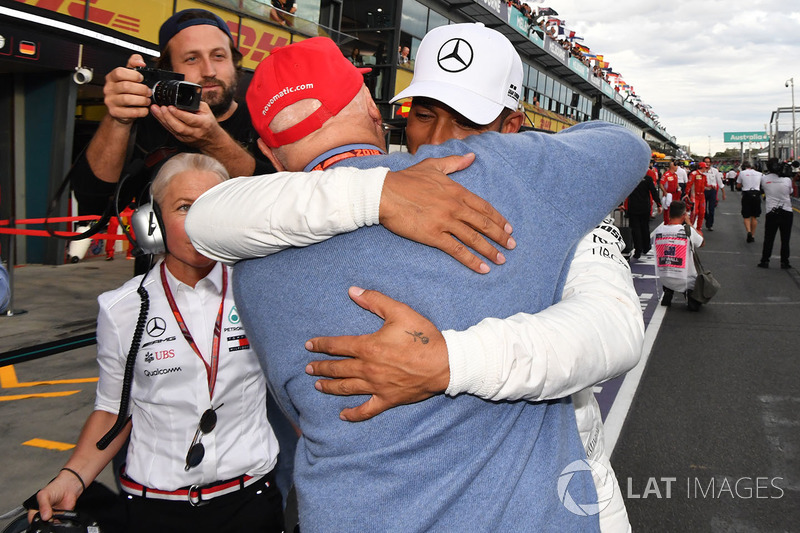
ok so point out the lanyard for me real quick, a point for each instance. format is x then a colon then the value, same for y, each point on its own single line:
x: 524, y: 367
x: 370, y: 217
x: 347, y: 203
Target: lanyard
x: 356, y: 152
x: 211, y: 371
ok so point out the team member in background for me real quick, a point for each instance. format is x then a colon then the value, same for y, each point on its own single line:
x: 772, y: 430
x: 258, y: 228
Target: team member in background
x: 682, y: 178
x: 670, y: 189
x: 201, y: 450
x: 777, y: 186
x: 749, y: 181
x: 714, y: 185
x: 653, y: 173
x: 696, y: 185
x: 639, y: 203
x: 732, y: 175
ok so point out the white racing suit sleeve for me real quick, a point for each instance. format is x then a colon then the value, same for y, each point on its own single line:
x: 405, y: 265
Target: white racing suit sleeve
x: 593, y: 334
x: 261, y: 215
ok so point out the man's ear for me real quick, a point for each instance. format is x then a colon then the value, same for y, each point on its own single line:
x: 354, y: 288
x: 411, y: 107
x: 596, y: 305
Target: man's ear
x: 513, y: 122
x: 372, y: 108
x: 267, y: 151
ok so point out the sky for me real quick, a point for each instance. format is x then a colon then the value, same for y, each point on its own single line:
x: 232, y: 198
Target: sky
x: 705, y: 66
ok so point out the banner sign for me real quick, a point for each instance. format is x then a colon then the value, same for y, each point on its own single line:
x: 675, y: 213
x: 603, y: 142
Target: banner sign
x: 746, y: 136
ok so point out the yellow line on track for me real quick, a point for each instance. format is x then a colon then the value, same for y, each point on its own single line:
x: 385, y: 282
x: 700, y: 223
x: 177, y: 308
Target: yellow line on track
x: 8, y: 380
x: 13, y: 397
x: 49, y: 444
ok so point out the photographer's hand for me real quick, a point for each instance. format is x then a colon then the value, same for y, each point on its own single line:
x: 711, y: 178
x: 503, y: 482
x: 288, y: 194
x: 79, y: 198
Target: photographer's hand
x: 126, y: 97
x: 199, y: 129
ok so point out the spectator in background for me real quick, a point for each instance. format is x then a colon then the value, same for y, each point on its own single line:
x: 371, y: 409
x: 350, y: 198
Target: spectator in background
x: 5, y: 289
x: 777, y: 186
x: 356, y: 58
x: 283, y: 12
x: 639, y: 213
x: 732, y: 175
x: 402, y: 55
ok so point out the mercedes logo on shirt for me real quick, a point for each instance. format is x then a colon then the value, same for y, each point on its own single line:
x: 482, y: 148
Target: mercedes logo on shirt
x: 156, y: 326
x: 455, y: 55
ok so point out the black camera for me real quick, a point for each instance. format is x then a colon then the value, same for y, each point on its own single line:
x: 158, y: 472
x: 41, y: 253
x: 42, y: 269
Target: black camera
x: 170, y: 89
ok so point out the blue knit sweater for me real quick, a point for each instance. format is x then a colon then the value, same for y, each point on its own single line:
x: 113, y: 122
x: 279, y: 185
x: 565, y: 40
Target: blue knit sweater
x: 445, y: 464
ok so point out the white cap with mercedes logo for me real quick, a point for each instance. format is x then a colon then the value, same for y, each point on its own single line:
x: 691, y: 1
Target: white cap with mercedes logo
x: 469, y: 67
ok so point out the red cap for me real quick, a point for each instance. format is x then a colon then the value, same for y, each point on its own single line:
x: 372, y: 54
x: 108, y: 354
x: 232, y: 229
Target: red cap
x: 314, y: 68
x: 702, y: 164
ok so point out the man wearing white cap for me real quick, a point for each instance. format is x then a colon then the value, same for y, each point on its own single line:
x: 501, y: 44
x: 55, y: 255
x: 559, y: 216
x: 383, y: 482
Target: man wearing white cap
x: 413, y: 494
x: 552, y: 352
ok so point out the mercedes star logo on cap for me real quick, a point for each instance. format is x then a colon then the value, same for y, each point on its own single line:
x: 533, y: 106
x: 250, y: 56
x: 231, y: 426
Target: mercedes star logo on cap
x: 455, y: 55
x: 156, y: 327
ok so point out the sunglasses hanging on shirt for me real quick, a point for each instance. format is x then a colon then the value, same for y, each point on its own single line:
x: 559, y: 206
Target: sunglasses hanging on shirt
x: 196, y: 450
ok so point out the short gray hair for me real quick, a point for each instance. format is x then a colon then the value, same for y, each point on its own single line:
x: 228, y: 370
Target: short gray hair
x: 183, y: 163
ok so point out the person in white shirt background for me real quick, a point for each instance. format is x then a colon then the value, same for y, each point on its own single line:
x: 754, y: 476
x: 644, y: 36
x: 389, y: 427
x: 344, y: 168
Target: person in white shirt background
x: 715, y: 184
x: 777, y: 186
x: 749, y: 181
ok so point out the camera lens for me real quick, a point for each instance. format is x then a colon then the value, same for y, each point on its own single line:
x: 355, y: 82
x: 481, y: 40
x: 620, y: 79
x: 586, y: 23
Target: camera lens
x: 181, y: 94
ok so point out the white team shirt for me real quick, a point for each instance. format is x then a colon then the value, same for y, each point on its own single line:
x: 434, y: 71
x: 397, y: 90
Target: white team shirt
x: 778, y: 192
x: 682, y: 176
x: 750, y: 179
x: 170, y: 388
x: 715, y: 178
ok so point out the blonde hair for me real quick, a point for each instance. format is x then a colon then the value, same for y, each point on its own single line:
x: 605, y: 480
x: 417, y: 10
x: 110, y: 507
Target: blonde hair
x: 183, y: 163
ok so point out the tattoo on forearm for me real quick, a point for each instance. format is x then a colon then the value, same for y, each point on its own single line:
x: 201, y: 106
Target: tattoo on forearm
x: 418, y: 335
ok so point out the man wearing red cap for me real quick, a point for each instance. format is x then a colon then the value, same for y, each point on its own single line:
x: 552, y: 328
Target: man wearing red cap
x: 696, y: 185
x: 305, y: 123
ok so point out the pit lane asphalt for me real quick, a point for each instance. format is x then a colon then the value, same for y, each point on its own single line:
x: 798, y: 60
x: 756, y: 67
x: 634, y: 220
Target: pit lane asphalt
x: 715, y: 417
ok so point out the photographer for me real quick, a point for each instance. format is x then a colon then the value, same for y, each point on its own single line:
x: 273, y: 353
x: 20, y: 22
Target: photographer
x: 199, y: 45
x: 777, y: 186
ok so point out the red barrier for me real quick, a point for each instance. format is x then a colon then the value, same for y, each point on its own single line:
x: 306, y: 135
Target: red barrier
x: 44, y: 233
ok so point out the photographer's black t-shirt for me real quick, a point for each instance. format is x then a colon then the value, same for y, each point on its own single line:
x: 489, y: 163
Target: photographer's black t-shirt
x: 155, y: 145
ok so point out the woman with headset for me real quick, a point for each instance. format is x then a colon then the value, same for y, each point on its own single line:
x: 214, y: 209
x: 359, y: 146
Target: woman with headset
x: 201, y: 451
